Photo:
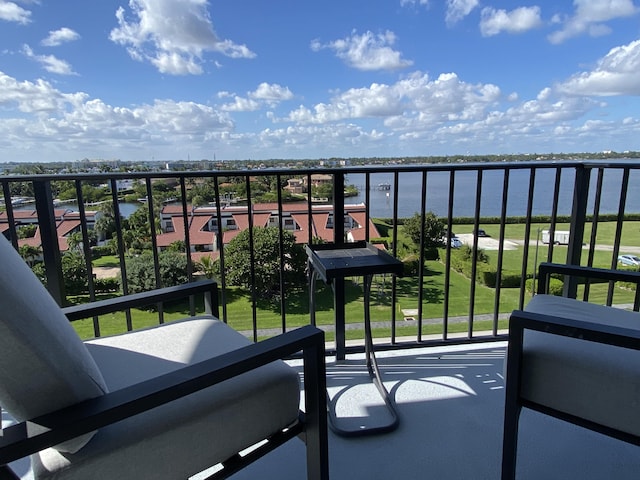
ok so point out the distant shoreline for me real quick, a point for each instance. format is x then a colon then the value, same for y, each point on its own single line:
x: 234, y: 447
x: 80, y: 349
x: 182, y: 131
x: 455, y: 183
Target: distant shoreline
x: 398, y: 160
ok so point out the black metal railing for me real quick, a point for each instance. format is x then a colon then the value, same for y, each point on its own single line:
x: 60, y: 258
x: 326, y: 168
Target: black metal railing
x: 579, y: 193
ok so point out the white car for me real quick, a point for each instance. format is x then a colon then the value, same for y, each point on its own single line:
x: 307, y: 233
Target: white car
x: 455, y: 242
x: 630, y: 260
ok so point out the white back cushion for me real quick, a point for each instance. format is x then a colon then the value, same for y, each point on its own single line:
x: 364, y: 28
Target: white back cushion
x: 44, y: 366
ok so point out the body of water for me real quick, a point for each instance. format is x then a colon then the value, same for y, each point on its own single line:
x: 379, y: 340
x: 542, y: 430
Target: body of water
x: 464, y: 196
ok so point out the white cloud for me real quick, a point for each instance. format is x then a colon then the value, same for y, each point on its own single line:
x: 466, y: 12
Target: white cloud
x: 333, y: 138
x: 458, y: 9
x: 35, y: 97
x: 173, y: 36
x: 241, y: 104
x: 58, y: 37
x: 590, y: 16
x: 615, y: 74
x: 75, y: 122
x: 270, y: 94
x: 12, y: 12
x: 50, y: 63
x: 366, y: 51
x: 520, y: 20
x: 415, y: 100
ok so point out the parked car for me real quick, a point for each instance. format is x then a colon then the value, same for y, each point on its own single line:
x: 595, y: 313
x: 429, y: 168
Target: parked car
x: 481, y: 233
x: 630, y: 260
x: 455, y: 242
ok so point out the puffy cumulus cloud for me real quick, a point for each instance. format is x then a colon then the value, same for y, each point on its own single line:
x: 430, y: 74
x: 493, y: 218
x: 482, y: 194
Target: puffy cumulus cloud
x: 590, y: 16
x: 412, y: 102
x: 332, y: 139
x: 50, y: 63
x: 241, y: 104
x: 168, y: 119
x: 38, y: 97
x: 60, y: 36
x: 12, y: 12
x: 520, y: 20
x: 367, y: 51
x: 549, y: 120
x: 549, y: 111
x: 458, y: 9
x: 71, y: 122
x: 375, y: 101
x: 270, y: 94
x: 172, y: 35
x: 615, y: 74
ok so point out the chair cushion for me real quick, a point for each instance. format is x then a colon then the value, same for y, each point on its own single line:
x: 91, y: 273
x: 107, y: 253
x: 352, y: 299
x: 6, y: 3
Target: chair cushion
x: 191, y: 434
x: 44, y: 365
x: 594, y: 381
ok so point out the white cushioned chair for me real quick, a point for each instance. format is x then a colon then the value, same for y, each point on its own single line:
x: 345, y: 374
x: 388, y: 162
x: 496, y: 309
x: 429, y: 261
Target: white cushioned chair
x: 163, y: 402
x: 574, y: 360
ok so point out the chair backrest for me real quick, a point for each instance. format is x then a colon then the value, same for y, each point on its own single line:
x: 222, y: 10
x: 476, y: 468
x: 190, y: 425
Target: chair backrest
x: 44, y: 366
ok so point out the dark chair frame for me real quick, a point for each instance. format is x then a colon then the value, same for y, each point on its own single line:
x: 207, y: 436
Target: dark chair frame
x: 587, y: 331
x: 16, y: 442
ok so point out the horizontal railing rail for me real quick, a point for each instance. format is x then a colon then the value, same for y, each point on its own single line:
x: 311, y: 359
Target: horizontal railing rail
x: 535, y: 211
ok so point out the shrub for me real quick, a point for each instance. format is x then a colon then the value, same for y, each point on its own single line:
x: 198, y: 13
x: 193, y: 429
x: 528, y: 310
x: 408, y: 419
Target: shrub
x: 556, y: 286
x: 106, y: 285
x: 101, y: 251
x: 141, y: 275
x: 411, y: 265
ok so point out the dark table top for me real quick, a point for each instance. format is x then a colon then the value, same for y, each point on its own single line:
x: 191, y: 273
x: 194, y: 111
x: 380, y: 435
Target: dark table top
x: 351, y: 259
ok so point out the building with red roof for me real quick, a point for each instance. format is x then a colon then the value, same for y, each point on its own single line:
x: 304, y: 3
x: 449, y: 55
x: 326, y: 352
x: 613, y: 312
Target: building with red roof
x: 204, y: 230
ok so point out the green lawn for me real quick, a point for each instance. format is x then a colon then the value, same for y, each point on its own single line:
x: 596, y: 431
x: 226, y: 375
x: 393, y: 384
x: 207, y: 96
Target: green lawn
x: 109, y: 261
x: 240, y: 311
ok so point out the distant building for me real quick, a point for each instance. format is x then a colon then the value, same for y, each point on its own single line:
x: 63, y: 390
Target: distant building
x: 67, y: 223
x: 205, y: 232
x: 296, y: 186
x: 318, y: 179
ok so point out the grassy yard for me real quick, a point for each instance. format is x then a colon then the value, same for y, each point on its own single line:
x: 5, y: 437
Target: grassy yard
x: 240, y: 311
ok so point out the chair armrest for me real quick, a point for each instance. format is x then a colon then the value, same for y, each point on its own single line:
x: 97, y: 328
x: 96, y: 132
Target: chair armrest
x: 17, y: 441
x: 590, y: 331
x: 546, y: 269
x: 208, y: 287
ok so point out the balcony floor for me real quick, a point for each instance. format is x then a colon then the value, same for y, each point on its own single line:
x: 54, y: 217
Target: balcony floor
x: 450, y: 401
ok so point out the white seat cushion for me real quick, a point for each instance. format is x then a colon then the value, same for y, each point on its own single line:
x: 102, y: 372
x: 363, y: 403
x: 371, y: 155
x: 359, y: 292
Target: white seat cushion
x: 43, y: 364
x: 593, y: 381
x: 190, y: 434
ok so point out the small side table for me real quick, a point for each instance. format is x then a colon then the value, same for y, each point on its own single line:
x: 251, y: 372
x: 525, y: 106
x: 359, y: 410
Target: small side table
x: 329, y: 262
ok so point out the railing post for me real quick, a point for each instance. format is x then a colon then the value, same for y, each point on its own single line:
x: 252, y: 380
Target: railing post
x: 338, y: 283
x: 49, y: 239
x: 576, y: 231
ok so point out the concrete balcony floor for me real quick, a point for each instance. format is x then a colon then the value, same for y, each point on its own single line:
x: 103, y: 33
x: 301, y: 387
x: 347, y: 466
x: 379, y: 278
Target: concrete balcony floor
x: 450, y: 401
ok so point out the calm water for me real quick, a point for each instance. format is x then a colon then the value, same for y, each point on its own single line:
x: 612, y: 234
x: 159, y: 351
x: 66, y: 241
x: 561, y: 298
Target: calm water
x: 437, y: 198
x: 410, y: 193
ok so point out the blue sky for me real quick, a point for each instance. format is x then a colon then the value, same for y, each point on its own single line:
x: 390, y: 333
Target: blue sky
x: 255, y: 79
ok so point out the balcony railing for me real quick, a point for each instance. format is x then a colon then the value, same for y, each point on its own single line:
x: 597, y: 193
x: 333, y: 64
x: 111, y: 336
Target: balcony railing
x: 572, y: 196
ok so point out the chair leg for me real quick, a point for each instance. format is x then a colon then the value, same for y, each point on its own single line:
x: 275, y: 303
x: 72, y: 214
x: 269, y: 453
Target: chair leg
x: 7, y: 474
x: 512, y: 405
x: 317, y: 437
x: 510, y: 439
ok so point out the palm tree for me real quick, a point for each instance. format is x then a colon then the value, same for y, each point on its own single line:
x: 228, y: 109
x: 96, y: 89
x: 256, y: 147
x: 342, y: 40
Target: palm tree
x: 30, y: 253
x: 207, y: 265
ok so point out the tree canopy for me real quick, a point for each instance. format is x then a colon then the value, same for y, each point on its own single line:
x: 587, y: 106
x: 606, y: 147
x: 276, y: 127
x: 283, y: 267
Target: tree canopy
x: 141, y: 274
x: 433, y: 229
x: 267, y: 267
